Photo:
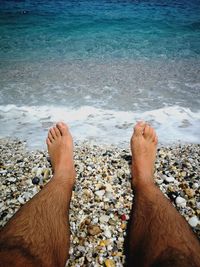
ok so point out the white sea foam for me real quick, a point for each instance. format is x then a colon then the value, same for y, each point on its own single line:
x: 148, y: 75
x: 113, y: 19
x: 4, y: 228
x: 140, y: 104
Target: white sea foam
x: 31, y: 123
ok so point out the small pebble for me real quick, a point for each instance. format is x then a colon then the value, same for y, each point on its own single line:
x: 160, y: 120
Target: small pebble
x: 123, y: 217
x: 94, y: 230
x: 21, y: 200
x: 180, y: 202
x: 109, y: 263
x: 36, y: 180
x: 193, y: 221
x: 189, y: 192
x: 169, y: 179
x: 100, y: 193
x: 104, y: 219
x: 195, y: 186
x: 107, y: 233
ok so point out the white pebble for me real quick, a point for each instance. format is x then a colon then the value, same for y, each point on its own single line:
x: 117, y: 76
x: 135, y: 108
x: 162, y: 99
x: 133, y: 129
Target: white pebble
x: 89, y: 168
x: 109, y: 247
x: 3, y: 172
x: 81, y: 248
x: 159, y: 181
x: 104, y: 218
x: 193, y: 221
x: 39, y: 172
x: 109, y: 188
x: 11, y: 179
x: 95, y: 220
x: 107, y: 233
x: 101, y: 259
x: 180, y: 202
x: 195, y: 186
x: 169, y: 179
x: 21, y: 200
x: 100, y: 193
x: 34, y: 170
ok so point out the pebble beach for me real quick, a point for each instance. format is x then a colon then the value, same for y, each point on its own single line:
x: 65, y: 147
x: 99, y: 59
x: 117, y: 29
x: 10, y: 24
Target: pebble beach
x: 102, y: 196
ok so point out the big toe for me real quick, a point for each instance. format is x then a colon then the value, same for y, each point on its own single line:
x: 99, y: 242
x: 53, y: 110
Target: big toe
x: 63, y: 128
x: 139, y: 128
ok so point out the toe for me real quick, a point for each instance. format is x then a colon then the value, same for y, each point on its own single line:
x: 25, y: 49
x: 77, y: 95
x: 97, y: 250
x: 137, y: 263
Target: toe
x: 139, y: 128
x: 153, y: 134
x: 48, y: 141
x: 149, y: 133
x: 53, y: 133
x: 57, y: 132
x: 62, y: 128
x: 156, y: 140
x: 50, y: 136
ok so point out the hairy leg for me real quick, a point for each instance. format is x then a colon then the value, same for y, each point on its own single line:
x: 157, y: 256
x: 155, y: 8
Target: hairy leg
x: 159, y: 235
x: 38, y: 234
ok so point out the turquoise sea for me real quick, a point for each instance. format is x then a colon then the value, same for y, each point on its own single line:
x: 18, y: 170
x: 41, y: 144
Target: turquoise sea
x: 100, y: 65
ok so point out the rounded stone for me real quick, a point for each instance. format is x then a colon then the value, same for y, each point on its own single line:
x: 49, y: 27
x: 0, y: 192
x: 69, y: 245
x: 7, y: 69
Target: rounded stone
x: 180, y: 202
x: 123, y: 217
x: 94, y: 230
x: 107, y: 233
x: 21, y: 200
x: 169, y: 179
x: 159, y: 181
x: 189, y: 192
x: 195, y: 186
x: 109, y: 263
x: 36, y: 180
x: 193, y: 221
x: 100, y: 193
x: 123, y: 226
x: 46, y: 173
x: 104, y: 219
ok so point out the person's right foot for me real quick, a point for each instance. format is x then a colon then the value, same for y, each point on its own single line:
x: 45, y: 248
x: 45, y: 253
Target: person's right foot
x: 143, y: 146
x: 60, y: 148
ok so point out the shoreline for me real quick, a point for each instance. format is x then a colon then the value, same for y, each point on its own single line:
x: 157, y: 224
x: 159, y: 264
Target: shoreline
x: 102, y: 195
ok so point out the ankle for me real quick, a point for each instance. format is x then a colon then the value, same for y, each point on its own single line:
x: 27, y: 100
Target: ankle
x: 65, y: 176
x: 143, y: 184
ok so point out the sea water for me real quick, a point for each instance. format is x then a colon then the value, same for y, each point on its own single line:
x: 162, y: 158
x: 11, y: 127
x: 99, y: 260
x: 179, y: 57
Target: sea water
x: 100, y: 65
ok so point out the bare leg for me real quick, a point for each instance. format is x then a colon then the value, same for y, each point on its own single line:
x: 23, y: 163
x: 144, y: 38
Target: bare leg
x: 159, y: 235
x: 38, y: 234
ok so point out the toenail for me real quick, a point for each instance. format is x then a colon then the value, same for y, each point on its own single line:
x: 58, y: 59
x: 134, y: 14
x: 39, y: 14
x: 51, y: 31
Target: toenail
x: 140, y: 122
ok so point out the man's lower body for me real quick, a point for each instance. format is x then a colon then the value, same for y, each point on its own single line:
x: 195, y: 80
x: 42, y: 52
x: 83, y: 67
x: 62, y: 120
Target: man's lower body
x: 39, y: 234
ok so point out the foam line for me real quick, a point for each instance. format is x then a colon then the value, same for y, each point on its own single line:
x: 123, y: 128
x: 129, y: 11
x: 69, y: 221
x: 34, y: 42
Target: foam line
x: 173, y: 124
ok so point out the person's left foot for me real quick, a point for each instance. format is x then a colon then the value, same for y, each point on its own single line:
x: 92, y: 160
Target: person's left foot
x: 60, y: 148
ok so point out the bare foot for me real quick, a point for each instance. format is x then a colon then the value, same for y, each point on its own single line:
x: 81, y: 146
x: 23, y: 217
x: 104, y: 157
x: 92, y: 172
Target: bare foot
x: 60, y: 148
x: 143, y: 146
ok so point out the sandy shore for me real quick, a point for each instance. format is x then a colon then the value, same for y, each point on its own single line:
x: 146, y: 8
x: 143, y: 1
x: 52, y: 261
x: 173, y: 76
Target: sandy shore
x: 102, y: 197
